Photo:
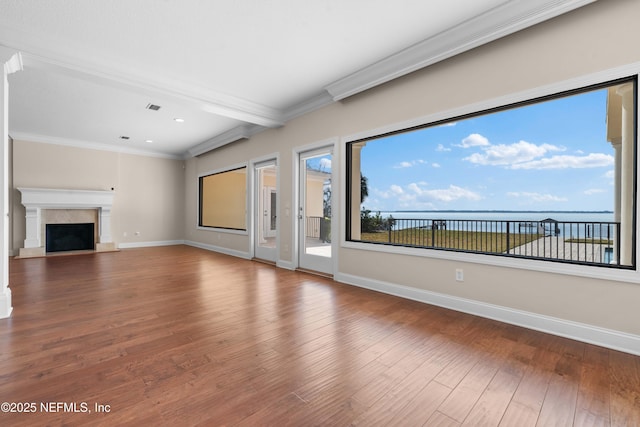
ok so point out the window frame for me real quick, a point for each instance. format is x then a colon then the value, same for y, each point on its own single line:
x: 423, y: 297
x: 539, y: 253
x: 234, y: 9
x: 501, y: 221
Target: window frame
x: 229, y: 230
x: 563, y: 88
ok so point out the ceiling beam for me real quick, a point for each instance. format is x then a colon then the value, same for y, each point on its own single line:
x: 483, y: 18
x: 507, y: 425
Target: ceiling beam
x: 202, y: 98
x: 232, y: 135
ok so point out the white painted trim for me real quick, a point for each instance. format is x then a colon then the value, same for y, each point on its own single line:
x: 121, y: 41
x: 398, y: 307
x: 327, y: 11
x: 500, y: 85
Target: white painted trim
x: 131, y: 245
x: 274, y: 160
x: 55, y: 198
x: 224, y: 230
x: 565, y: 328
x: 5, y: 303
x: 597, y: 272
x: 232, y: 135
x: 287, y: 265
x: 90, y: 145
x: 219, y: 249
x: 508, y: 18
x: 308, y: 106
x: 333, y: 143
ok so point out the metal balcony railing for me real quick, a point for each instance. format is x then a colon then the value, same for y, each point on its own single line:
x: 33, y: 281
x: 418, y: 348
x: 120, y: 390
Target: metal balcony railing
x: 572, y: 242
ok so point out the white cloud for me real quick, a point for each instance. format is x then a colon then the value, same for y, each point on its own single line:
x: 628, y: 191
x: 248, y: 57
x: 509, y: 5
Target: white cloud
x: 396, y: 189
x: 593, y: 160
x: 325, y: 164
x: 591, y: 191
x: 610, y: 174
x: 442, y: 148
x: 537, y: 197
x: 449, y: 124
x: 412, y: 163
x: 474, y: 140
x: 513, y: 154
x: 435, y: 165
x: 445, y: 194
x: 416, y: 196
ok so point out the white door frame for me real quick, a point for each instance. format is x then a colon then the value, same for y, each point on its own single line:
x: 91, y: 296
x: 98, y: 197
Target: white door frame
x: 266, y: 195
x: 332, y: 146
x: 256, y: 213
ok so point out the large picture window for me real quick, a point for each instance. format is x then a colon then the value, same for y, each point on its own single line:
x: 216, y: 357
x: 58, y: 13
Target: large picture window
x: 223, y: 199
x: 551, y: 179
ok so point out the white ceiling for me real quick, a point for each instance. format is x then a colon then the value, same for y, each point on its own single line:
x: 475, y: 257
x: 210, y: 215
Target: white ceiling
x: 228, y: 68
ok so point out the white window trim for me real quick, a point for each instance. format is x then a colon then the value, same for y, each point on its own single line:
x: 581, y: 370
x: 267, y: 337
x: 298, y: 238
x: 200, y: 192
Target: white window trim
x: 597, y: 272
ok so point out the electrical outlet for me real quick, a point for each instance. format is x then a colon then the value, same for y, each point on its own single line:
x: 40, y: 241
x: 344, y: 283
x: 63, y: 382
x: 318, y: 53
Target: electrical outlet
x: 459, y: 275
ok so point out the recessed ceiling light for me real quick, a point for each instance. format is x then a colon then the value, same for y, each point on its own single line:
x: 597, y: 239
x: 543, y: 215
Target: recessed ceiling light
x: 149, y: 141
x: 179, y: 120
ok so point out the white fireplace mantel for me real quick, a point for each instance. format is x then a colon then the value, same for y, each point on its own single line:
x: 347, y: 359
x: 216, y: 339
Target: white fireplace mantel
x: 37, y: 199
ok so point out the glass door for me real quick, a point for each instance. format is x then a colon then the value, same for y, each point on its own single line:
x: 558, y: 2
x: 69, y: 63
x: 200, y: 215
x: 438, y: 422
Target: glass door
x: 314, y: 211
x: 266, y: 220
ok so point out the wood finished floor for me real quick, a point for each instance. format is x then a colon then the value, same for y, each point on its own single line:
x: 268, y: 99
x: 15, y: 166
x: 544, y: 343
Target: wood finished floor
x: 181, y: 336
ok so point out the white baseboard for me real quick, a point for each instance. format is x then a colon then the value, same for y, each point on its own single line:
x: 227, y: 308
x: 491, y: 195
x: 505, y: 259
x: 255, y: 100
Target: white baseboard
x: 615, y: 340
x: 213, y: 248
x: 131, y: 245
x: 5, y: 303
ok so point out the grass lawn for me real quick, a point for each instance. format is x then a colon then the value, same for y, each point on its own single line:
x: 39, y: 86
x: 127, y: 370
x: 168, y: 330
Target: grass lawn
x: 451, y: 239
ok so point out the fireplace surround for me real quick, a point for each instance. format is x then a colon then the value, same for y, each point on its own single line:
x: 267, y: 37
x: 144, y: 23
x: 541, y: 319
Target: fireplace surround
x: 65, y: 206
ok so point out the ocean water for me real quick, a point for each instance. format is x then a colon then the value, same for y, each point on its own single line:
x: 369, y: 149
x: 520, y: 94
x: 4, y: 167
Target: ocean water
x: 562, y: 216
x: 571, y: 224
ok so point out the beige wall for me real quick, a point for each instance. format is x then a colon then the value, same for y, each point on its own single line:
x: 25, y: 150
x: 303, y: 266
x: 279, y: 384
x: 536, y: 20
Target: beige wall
x: 149, y: 191
x: 315, y: 196
x: 594, y: 38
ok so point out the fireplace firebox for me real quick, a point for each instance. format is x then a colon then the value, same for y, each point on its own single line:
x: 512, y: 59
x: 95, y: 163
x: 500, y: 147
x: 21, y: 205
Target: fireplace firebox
x: 69, y: 237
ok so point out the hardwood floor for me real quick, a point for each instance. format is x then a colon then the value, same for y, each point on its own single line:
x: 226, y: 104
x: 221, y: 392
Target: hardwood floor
x: 182, y: 336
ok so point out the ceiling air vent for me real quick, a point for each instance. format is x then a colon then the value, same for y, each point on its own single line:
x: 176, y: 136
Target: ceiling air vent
x: 124, y: 137
x: 153, y: 107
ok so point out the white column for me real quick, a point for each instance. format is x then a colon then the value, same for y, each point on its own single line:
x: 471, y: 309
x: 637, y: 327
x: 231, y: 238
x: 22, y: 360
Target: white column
x: 617, y: 203
x: 11, y: 62
x: 105, y: 225
x: 32, y: 221
x: 356, y: 191
x: 627, y: 176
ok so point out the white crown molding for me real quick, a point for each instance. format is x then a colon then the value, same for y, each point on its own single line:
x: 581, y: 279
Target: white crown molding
x: 6, y: 55
x: 232, y: 135
x: 307, y: 106
x: 90, y: 145
x: 499, y: 22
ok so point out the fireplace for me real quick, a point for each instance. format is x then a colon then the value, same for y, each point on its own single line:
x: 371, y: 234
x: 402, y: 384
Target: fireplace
x: 54, y: 207
x: 69, y: 237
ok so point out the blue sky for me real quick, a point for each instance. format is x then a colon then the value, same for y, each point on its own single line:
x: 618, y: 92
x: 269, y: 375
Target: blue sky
x: 547, y: 156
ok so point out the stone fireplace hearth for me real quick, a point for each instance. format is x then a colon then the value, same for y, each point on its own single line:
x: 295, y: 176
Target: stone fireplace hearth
x: 58, y: 206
